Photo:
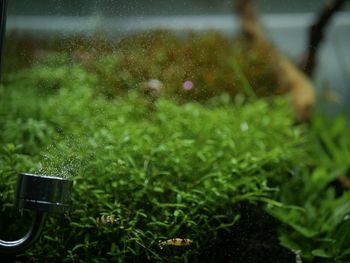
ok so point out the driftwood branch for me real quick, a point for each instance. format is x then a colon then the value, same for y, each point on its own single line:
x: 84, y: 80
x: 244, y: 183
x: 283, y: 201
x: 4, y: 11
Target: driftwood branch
x: 316, y: 35
x: 289, y: 77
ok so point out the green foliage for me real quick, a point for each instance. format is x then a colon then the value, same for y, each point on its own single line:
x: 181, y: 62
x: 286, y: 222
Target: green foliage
x: 165, y: 169
x: 177, y: 171
x: 316, y: 221
x: 314, y: 211
x: 12, y: 162
x: 332, y: 143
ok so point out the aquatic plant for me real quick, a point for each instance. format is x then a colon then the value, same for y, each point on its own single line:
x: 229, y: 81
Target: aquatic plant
x: 318, y: 228
x: 209, y: 60
x: 180, y: 171
x: 201, y: 161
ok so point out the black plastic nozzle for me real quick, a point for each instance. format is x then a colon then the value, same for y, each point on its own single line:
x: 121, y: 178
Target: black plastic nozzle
x: 41, y: 194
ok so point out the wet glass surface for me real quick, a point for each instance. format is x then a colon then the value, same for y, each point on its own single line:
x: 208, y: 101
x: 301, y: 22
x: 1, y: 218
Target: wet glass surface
x: 183, y: 138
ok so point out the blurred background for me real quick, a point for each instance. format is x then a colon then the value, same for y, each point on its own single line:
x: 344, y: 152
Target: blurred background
x: 151, y: 7
x: 286, y: 21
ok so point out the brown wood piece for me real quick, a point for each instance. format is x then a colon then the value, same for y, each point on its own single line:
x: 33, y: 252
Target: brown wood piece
x: 289, y: 77
x: 316, y: 35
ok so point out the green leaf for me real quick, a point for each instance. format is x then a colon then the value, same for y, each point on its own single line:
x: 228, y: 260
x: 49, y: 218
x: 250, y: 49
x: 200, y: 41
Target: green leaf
x: 321, y: 253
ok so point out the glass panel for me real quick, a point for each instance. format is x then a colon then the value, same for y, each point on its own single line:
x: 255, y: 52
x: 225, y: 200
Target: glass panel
x: 189, y: 136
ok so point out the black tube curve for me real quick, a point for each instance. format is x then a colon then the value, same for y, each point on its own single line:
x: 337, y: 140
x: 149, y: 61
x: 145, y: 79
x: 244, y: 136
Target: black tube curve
x: 28, y: 239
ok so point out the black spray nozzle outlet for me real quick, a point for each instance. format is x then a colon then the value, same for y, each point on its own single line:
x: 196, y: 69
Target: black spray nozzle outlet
x: 41, y: 194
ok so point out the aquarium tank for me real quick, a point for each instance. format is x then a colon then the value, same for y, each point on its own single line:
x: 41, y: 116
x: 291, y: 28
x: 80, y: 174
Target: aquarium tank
x: 192, y: 130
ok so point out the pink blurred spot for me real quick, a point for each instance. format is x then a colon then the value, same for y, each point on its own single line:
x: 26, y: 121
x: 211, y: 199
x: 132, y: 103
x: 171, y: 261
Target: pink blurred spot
x: 187, y: 85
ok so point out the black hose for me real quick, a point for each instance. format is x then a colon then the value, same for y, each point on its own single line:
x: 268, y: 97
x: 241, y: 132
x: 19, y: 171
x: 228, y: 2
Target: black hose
x: 24, y: 242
